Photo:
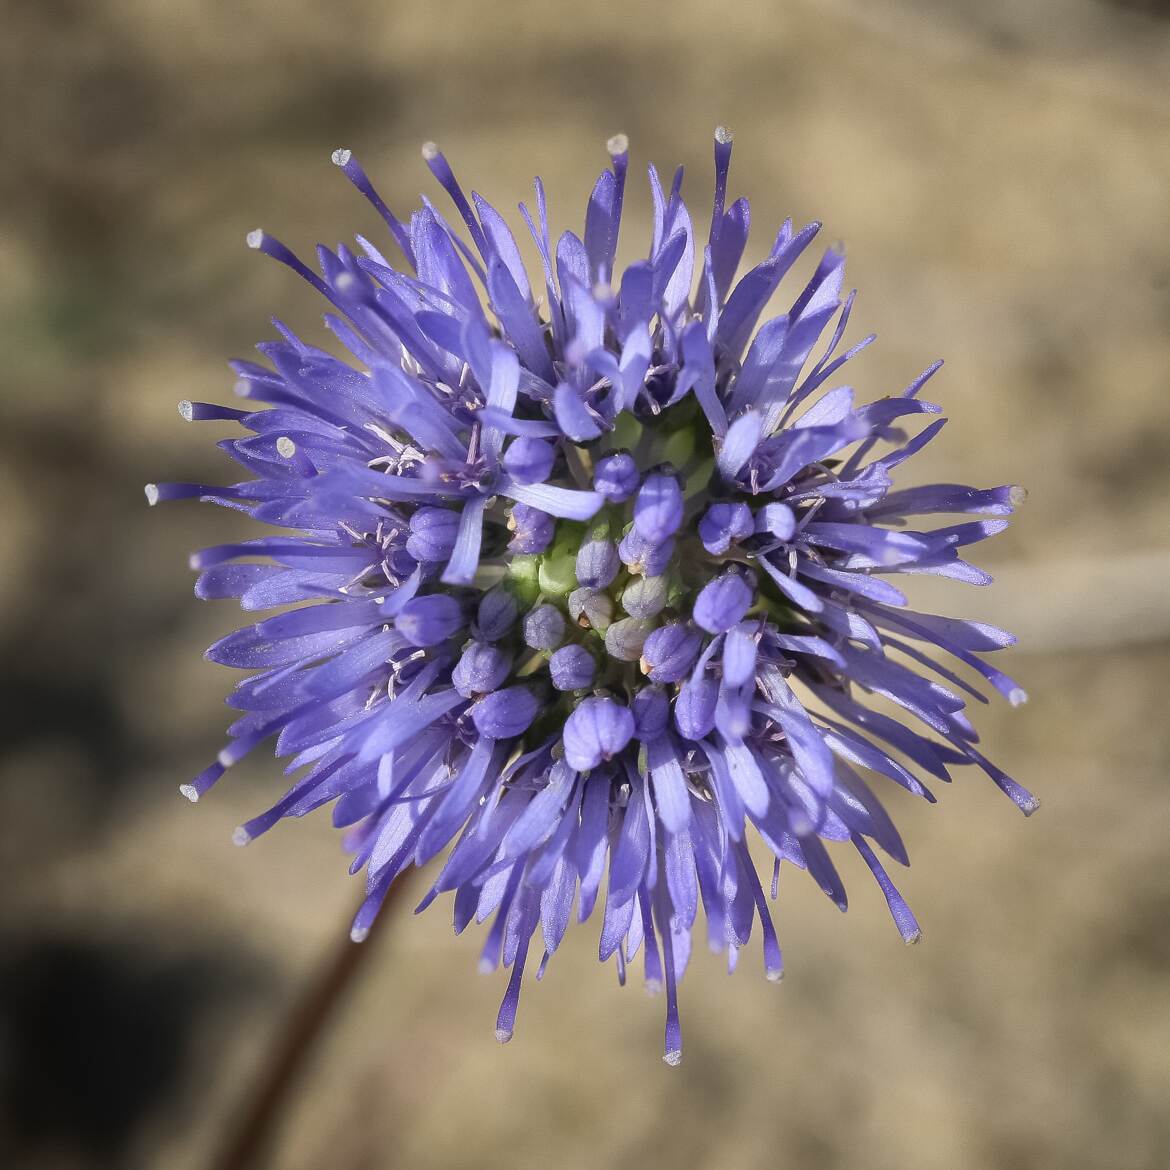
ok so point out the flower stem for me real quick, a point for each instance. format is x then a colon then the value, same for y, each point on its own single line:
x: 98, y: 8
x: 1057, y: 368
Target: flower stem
x: 276, y: 1078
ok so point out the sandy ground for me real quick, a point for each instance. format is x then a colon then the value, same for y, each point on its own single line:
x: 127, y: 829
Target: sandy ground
x: 1000, y: 173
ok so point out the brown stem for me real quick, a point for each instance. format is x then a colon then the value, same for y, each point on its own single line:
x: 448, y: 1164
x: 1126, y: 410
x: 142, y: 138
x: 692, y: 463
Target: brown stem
x: 264, y: 1101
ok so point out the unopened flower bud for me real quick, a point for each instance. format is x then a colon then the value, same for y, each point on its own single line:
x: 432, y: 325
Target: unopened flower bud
x: 480, y: 670
x: 529, y: 460
x: 571, y: 668
x: 432, y: 534
x: 504, y: 714
x: 723, y: 524
x: 597, y: 730
x: 616, y: 476
x: 645, y: 597
x: 427, y: 621
x: 591, y: 609
x: 722, y: 603
x: 624, y: 640
x: 544, y: 627
x: 670, y: 652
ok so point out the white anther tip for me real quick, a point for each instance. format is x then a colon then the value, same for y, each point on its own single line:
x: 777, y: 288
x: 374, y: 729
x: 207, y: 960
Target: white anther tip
x: 774, y: 976
x: 1032, y: 805
x: 255, y: 238
x: 190, y: 792
x: 673, y: 1058
x: 1018, y: 495
x: 503, y: 1035
x: 430, y: 151
x: 724, y: 135
x: 359, y: 934
x: 341, y: 157
x: 285, y: 447
x: 1017, y: 696
x: 151, y: 490
x: 618, y: 144
x: 912, y: 940
x: 241, y: 837
x: 186, y: 410
x: 485, y: 966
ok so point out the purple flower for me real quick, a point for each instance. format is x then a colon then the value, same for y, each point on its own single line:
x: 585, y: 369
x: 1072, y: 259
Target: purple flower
x: 723, y: 602
x: 646, y: 557
x: 658, y: 508
x: 427, y: 621
x: 533, y: 529
x: 432, y: 534
x: 481, y: 669
x: 670, y: 651
x: 598, y: 563
x: 597, y: 730
x: 457, y: 545
x: 571, y: 668
x: 498, y: 611
x: 529, y: 460
x: 544, y: 627
x: 616, y: 476
x: 725, y: 524
x: 505, y: 714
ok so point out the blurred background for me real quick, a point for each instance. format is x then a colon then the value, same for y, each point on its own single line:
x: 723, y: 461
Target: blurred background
x: 1001, y: 175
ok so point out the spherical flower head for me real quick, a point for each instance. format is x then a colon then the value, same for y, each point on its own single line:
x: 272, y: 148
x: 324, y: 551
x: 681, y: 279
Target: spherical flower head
x: 588, y: 581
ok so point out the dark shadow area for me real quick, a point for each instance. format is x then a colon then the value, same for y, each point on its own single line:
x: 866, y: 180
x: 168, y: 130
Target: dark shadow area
x: 95, y: 1039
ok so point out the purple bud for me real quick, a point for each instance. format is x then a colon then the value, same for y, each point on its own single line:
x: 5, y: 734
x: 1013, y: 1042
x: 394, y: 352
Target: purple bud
x: 571, y: 667
x: 651, y: 713
x: 739, y: 654
x: 658, y: 507
x: 529, y: 460
x: 641, y: 556
x: 498, y: 610
x: 597, y: 730
x: 591, y: 609
x: 624, y: 640
x: 722, y: 603
x: 504, y: 714
x: 597, y: 563
x: 533, y: 529
x: 694, y: 708
x: 427, y: 621
x: 645, y: 597
x: 723, y: 524
x: 544, y: 627
x: 776, y: 519
x: 480, y: 670
x: 669, y: 653
x: 615, y: 476
x: 432, y: 534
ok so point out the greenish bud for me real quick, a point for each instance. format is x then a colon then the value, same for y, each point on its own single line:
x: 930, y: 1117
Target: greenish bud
x: 624, y: 640
x: 591, y: 609
x: 557, y: 574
